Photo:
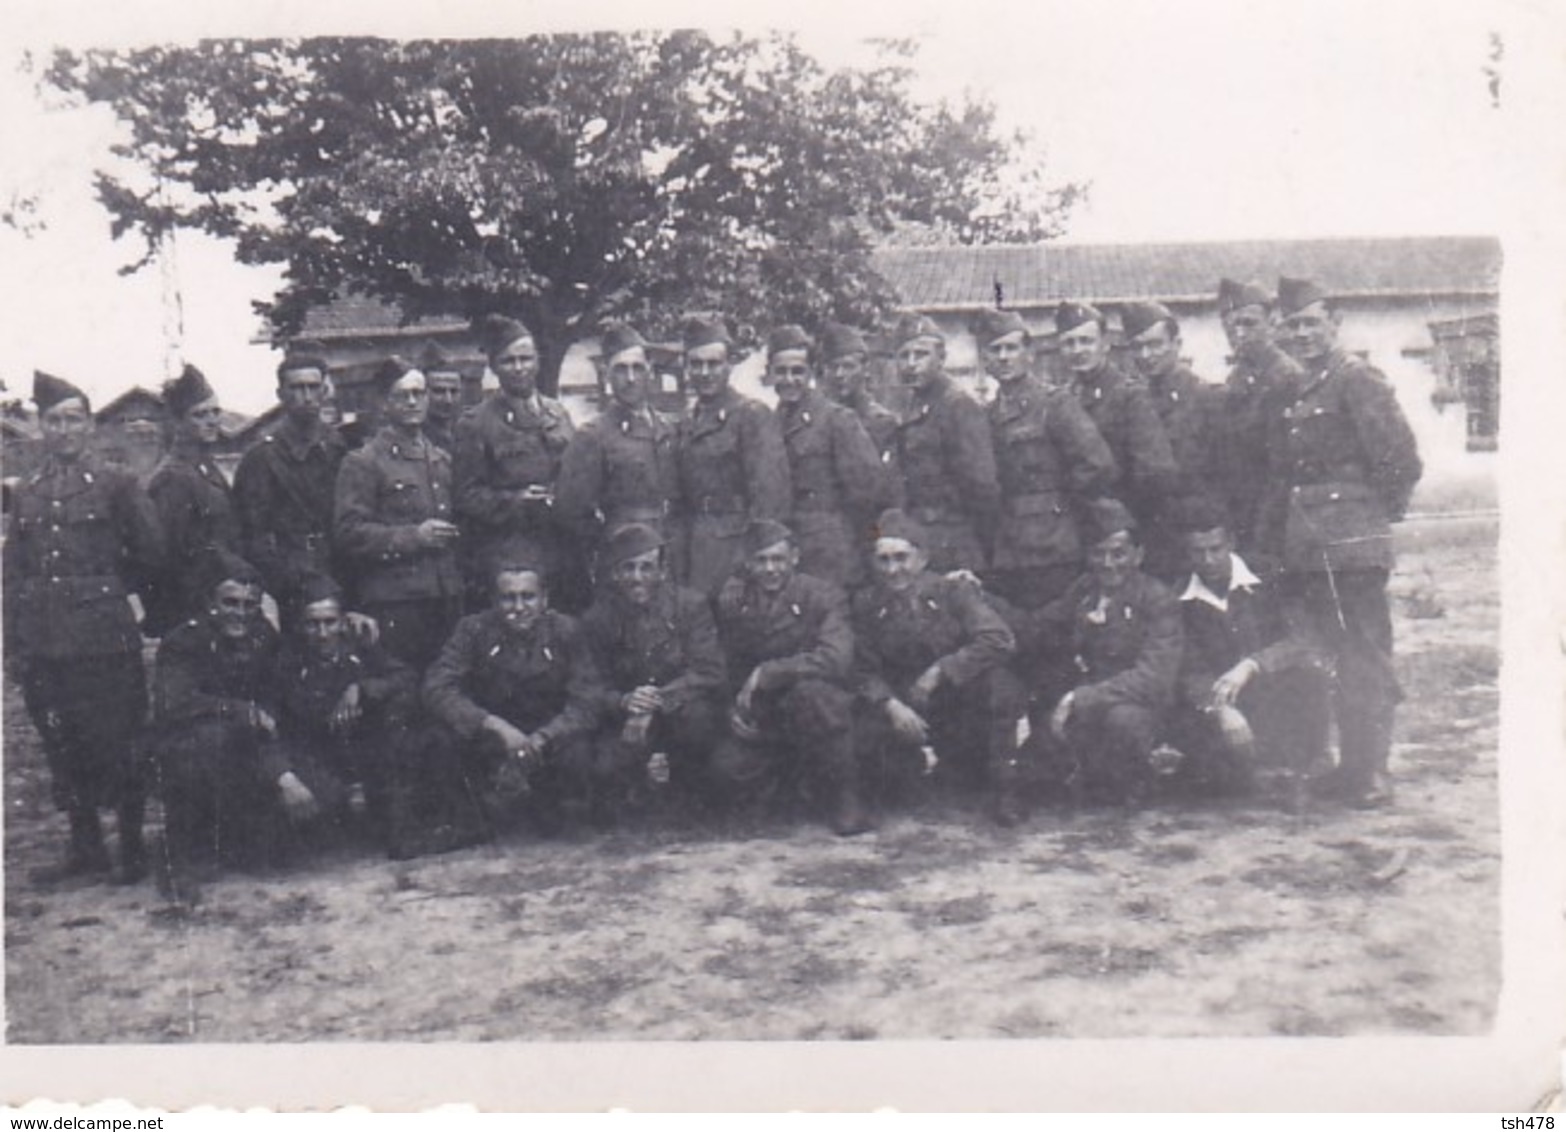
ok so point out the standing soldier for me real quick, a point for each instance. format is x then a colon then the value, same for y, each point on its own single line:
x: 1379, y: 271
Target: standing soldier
x: 732, y: 466
x: 509, y: 448
x: 623, y: 467
x: 845, y: 371
x: 1188, y: 409
x: 1259, y: 387
x: 1119, y: 407
x: 944, y: 453
x: 656, y: 649
x: 194, y: 503
x: 283, y: 489
x: 834, y: 469
x: 1049, y: 459
x: 929, y: 659
x: 393, y: 529
x: 1344, y: 464
x: 444, y: 380
x: 82, y: 538
x: 790, y: 648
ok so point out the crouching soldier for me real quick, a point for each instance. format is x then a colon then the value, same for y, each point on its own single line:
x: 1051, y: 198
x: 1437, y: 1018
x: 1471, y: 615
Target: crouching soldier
x: 656, y: 648
x: 929, y: 657
x: 517, y: 686
x: 788, y: 643
x: 1253, y: 687
x: 230, y: 788
x: 1122, y: 641
x: 347, y: 707
x: 82, y: 537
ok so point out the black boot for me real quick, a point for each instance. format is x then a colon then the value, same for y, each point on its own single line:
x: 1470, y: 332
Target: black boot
x: 849, y: 817
x: 1005, y: 806
x: 133, y: 850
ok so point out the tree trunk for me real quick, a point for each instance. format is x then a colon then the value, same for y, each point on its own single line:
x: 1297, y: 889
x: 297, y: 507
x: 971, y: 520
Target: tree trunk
x: 552, y: 348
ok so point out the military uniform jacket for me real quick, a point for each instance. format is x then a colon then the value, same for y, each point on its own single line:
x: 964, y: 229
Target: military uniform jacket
x: 82, y: 537
x: 203, y: 675
x: 732, y: 461
x: 442, y: 434
x: 196, y: 509
x: 310, y: 686
x: 384, y: 491
x: 802, y: 633
x: 284, y: 493
x: 1252, y: 622
x: 544, y: 682
x: 1048, y: 455
x: 946, y: 456
x: 940, y: 621
x: 621, y: 468
x: 1188, y: 409
x: 833, y: 464
x: 1126, y: 648
x: 671, y: 645
x: 1343, y: 465
x: 880, y: 425
x: 1130, y: 426
x: 502, y: 448
x: 1252, y: 396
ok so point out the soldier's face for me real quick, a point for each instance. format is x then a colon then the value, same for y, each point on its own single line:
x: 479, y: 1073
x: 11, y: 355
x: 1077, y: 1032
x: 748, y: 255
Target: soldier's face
x: 204, y: 422
x: 323, y: 626
x: 845, y: 375
x: 630, y: 377
x: 302, y: 393
x: 516, y: 367
x: 898, y: 563
x: 1248, y: 329
x: 707, y: 369
x: 445, y: 395
x: 1156, y: 350
x: 919, y: 361
x: 1084, y: 348
x: 408, y: 401
x: 1208, y: 554
x: 637, y: 578
x: 520, y: 597
x: 1006, y: 357
x: 790, y: 373
x: 235, y: 606
x: 772, y: 566
x: 1310, y: 332
x: 66, y: 428
x: 1113, y: 561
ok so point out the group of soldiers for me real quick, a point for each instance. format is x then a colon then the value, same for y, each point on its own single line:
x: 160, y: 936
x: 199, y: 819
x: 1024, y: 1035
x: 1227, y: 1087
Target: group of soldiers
x: 1093, y: 582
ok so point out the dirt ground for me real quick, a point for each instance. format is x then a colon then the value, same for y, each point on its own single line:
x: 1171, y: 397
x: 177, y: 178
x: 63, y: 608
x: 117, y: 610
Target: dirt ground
x: 1189, y: 919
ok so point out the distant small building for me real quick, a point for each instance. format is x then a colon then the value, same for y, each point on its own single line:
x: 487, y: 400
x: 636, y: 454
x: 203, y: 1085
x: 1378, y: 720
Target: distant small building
x: 1467, y: 362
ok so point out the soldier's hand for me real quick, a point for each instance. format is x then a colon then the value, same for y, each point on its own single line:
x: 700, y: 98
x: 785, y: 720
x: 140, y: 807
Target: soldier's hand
x: 743, y: 726
x: 748, y: 691
x: 348, y: 709
x: 1060, y: 716
x: 642, y: 701
x: 364, y: 628
x: 924, y: 687
x: 261, y: 720
x: 908, y: 723
x: 537, y: 493
x: 1235, y: 729
x: 1227, y: 688
x: 298, y: 802
x: 436, y: 533
x: 965, y: 575
x: 512, y: 738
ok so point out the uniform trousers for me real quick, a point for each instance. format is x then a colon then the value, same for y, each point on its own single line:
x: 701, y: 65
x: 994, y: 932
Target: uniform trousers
x: 805, y: 739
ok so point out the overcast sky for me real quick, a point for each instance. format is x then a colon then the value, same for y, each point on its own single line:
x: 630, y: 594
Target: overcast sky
x: 1192, y: 120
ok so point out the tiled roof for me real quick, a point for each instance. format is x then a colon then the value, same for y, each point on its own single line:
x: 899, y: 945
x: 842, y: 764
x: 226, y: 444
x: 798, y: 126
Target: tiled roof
x: 356, y: 315
x: 960, y: 278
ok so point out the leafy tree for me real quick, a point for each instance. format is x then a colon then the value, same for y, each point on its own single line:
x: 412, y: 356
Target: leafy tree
x: 560, y: 178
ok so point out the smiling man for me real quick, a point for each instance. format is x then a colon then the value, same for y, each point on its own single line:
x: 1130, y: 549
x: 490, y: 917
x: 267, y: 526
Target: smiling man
x: 834, y: 468
x: 929, y: 663
x: 517, y: 687
x: 393, y: 525
x: 1343, y: 465
x: 789, y: 648
x: 82, y: 537
x: 733, y: 469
